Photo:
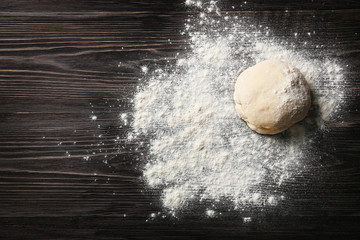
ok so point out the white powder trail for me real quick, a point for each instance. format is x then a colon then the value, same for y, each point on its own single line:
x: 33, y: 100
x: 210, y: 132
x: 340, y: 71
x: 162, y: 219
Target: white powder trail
x: 199, y: 149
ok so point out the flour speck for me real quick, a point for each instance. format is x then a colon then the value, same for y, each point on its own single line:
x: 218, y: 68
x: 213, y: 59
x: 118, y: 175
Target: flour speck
x: 210, y: 213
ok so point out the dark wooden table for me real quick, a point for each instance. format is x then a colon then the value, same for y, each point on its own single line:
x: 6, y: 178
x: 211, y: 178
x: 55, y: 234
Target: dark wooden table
x: 59, y: 65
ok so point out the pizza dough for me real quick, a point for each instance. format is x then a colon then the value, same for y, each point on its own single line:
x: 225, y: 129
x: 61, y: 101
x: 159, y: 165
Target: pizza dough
x: 271, y: 96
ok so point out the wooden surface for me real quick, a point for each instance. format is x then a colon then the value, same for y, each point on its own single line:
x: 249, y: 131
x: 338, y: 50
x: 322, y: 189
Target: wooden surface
x: 59, y: 66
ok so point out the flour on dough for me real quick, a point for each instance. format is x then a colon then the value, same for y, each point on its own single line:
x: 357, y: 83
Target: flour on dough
x: 271, y: 96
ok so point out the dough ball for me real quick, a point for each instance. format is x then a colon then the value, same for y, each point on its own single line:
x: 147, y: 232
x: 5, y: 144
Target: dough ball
x: 271, y: 96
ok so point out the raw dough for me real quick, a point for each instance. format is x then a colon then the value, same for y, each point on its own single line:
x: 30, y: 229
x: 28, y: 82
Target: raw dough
x: 271, y: 96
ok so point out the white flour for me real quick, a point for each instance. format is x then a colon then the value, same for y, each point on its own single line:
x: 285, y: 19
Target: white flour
x: 199, y: 149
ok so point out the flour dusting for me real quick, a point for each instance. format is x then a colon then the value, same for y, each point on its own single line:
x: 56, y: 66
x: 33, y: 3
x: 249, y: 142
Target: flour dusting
x: 199, y: 149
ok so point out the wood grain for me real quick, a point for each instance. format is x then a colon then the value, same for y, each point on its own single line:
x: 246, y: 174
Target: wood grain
x: 62, y: 62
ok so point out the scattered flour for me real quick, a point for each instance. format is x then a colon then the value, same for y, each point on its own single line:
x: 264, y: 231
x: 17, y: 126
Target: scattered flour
x: 272, y: 200
x: 144, y: 69
x: 247, y: 219
x: 210, y: 213
x: 124, y: 118
x: 199, y: 149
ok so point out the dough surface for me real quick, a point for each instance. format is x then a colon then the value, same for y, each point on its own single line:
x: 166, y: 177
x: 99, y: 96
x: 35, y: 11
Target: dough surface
x: 271, y: 96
